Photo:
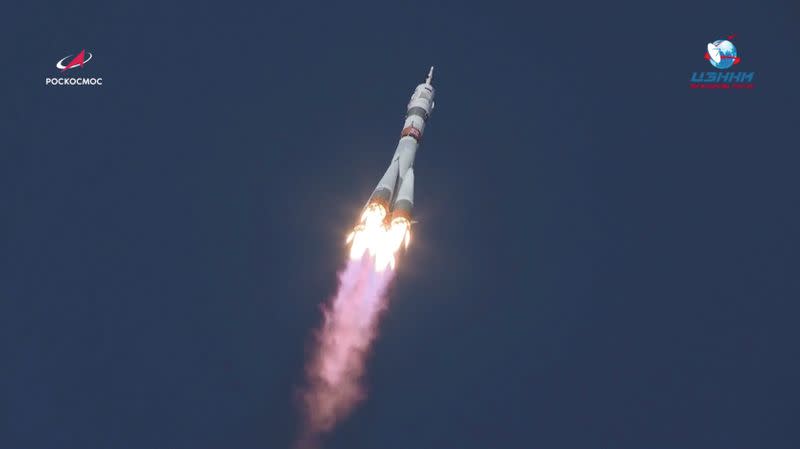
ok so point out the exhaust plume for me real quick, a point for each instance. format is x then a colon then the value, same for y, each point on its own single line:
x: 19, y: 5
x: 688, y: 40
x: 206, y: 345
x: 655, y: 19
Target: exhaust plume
x: 350, y: 323
x: 335, y: 371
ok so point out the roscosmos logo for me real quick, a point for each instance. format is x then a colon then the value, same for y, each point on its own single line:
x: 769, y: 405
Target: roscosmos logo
x: 77, y: 61
x: 74, y: 61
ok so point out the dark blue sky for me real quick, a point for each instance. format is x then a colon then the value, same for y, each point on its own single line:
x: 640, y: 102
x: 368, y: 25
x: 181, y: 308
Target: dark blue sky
x: 605, y: 258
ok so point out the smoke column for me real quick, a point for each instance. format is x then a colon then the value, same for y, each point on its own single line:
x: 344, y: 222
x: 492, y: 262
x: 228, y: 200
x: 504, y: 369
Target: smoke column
x: 335, y: 370
x: 350, y: 324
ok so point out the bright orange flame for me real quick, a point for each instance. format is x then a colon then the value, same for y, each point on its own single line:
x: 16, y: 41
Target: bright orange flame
x: 381, y: 240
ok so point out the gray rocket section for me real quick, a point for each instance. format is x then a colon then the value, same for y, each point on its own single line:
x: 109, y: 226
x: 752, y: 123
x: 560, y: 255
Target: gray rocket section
x: 396, y: 188
x: 405, y: 196
x: 385, y: 190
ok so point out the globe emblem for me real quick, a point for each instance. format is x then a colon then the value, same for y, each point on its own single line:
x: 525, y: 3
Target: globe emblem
x: 722, y: 54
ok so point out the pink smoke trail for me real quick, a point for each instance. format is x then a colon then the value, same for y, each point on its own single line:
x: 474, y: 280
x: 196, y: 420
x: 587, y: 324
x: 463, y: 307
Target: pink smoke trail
x: 342, y: 344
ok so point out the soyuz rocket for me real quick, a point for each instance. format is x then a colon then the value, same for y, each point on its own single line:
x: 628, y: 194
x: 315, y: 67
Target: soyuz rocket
x: 385, y: 222
x: 395, y: 191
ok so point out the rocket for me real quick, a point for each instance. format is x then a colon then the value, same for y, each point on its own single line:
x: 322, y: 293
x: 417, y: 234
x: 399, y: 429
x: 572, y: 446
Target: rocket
x: 395, y: 191
x: 351, y: 319
x: 385, y: 222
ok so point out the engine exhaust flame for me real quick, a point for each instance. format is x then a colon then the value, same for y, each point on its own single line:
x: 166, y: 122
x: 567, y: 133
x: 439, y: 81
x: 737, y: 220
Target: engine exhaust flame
x: 350, y: 323
x: 379, y: 240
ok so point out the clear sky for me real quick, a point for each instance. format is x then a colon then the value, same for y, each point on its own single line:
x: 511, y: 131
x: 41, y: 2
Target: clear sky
x: 604, y: 257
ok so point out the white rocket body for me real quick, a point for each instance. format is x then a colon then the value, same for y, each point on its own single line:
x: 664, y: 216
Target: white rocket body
x: 395, y: 191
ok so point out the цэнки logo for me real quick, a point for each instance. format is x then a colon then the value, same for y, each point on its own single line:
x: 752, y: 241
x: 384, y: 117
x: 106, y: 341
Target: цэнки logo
x: 722, y: 54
